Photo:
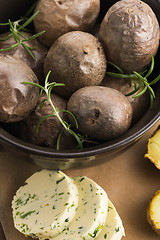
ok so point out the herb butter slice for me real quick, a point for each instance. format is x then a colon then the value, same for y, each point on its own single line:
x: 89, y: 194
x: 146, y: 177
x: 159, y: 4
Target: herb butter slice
x: 113, y: 228
x: 91, y: 212
x: 45, y: 205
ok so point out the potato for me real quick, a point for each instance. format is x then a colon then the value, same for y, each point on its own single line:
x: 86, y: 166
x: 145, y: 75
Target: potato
x: 50, y: 128
x: 125, y: 86
x: 153, y: 212
x: 77, y: 60
x: 129, y: 33
x: 57, y: 17
x: 153, y: 148
x: 39, y: 51
x: 102, y: 113
x: 17, y: 99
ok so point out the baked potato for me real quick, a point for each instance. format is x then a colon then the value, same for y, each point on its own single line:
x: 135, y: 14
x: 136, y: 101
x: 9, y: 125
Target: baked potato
x: 38, y: 50
x: 17, y: 99
x: 57, y: 17
x: 50, y: 129
x: 129, y: 33
x: 102, y: 113
x: 139, y: 104
x: 76, y: 59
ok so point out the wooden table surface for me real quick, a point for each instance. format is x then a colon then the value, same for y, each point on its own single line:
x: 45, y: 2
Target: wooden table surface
x: 130, y: 181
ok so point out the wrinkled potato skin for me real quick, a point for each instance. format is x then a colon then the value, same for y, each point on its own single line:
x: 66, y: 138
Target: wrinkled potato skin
x: 39, y: 51
x: 50, y: 128
x: 139, y: 104
x: 102, y: 113
x: 76, y: 59
x: 130, y: 34
x: 17, y: 99
x: 57, y: 17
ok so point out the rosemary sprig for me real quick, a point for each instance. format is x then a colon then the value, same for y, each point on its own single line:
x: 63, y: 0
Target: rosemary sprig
x: 15, y: 29
x: 56, y: 112
x: 143, y: 81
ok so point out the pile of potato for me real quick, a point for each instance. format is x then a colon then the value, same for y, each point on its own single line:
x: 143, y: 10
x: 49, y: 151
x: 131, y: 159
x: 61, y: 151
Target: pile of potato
x: 76, y: 48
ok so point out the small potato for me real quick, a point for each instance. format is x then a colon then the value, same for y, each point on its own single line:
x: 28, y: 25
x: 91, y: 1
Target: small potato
x: 50, y: 128
x: 17, y: 99
x: 38, y: 50
x: 76, y: 59
x: 102, y: 113
x: 153, y: 212
x: 129, y: 33
x: 57, y: 17
x: 139, y: 104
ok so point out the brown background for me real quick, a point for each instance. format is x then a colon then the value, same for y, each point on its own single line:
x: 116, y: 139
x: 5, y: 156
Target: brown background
x: 130, y: 181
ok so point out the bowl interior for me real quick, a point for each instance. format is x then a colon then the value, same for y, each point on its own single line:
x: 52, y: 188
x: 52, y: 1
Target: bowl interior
x: 8, y: 132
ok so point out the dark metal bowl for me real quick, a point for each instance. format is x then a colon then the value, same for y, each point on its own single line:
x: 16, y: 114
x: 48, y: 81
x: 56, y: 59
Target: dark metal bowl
x: 48, y: 158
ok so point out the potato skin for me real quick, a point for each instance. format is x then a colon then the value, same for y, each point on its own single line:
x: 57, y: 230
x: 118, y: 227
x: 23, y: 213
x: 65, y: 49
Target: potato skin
x: 102, y: 113
x: 57, y: 17
x: 50, y: 128
x: 39, y: 51
x: 125, y: 86
x: 76, y: 59
x: 17, y: 99
x: 130, y: 34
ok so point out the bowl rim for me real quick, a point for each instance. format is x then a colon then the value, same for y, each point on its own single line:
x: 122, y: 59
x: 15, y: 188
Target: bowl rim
x: 104, y: 148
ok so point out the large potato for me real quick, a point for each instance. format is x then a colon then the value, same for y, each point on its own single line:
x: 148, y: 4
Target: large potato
x: 130, y: 34
x: 139, y: 104
x: 50, y: 129
x: 17, y: 99
x: 102, y: 113
x: 57, y: 17
x: 38, y: 50
x: 76, y: 59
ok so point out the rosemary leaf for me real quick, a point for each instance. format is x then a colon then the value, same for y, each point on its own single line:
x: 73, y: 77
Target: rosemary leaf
x: 33, y: 36
x: 151, y: 67
x: 34, y: 84
x: 118, y: 75
x: 28, y: 21
x: 28, y: 50
x: 10, y: 48
x: 71, y: 116
x: 155, y: 80
x: 42, y: 120
x: 7, y: 38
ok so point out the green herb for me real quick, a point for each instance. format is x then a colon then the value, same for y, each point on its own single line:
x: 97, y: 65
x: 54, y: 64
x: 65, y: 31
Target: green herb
x: 73, y: 205
x: 19, y: 201
x: 105, y: 236
x: 31, y: 9
x: 67, y: 220
x: 56, y: 112
x: 80, y: 227
x: 95, y: 232
x: 91, y: 187
x: 27, y: 214
x: 81, y: 179
x: 143, y: 81
x: 60, y: 180
x: 15, y: 31
x: 117, y: 229
x: 61, y: 193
